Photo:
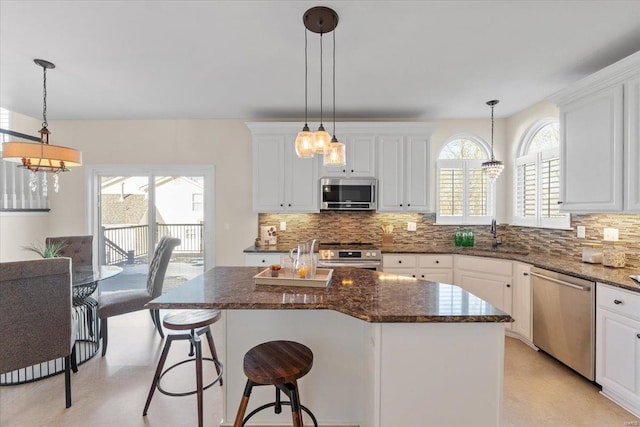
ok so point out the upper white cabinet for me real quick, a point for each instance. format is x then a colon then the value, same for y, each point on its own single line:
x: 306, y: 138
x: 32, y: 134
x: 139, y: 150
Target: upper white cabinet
x: 282, y: 182
x: 599, y: 140
x: 361, y: 158
x: 403, y: 170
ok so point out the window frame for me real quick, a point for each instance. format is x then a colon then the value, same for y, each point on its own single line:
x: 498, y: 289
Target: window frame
x: 466, y: 165
x: 537, y: 158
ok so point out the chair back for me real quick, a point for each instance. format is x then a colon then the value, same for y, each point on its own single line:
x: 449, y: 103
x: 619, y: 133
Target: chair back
x: 78, y: 248
x: 35, y: 312
x: 159, y: 263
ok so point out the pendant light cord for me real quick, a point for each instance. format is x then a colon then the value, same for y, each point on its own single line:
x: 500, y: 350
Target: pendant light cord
x: 492, y: 156
x: 334, y: 84
x: 305, y: 77
x: 321, y: 55
x: 44, y: 101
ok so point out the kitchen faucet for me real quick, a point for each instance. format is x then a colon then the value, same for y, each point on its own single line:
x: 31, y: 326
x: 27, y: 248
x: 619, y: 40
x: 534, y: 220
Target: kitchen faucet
x: 494, y: 232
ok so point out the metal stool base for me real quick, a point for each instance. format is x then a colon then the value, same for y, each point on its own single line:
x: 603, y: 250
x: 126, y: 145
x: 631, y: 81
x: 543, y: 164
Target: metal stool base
x: 189, y: 393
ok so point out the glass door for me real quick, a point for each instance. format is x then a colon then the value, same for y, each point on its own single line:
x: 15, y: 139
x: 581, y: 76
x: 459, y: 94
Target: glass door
x: 133, y: 211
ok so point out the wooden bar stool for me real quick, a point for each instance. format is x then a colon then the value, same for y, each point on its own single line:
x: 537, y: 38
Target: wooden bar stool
x: 197, y: 323
x: 277, y: 363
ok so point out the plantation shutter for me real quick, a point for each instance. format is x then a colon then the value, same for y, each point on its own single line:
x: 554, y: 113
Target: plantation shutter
x: 526, y: 193
x: 550, y: 185
x: 451, y: 188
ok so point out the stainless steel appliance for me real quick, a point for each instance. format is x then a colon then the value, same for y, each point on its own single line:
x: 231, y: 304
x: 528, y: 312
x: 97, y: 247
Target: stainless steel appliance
x: 350, y: 254
x: 348, y: 194
x: 564, y: 319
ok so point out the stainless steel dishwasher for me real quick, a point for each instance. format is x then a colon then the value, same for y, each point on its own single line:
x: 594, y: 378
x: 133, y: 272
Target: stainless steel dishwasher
x: 564, y: 319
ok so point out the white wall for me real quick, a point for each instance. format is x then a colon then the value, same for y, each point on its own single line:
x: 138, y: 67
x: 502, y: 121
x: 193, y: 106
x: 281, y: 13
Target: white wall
x: 224, y: 143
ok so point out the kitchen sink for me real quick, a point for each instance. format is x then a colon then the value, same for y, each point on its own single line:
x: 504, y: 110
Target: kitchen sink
x: 488, y: 249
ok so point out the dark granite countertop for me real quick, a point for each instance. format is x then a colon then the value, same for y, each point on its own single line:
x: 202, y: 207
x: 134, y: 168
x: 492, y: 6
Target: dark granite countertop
x: 618, y: 277
x: 366, y: 295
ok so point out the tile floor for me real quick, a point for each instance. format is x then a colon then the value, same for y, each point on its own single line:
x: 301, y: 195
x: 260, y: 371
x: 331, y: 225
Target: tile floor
x: 111, y: 390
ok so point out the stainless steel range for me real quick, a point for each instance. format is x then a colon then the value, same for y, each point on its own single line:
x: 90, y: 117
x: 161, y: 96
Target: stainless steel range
x: 350, y: 254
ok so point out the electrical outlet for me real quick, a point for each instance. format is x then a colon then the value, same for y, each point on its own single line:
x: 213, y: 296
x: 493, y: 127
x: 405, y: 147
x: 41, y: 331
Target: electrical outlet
x: 411, y: 226
x: 283, y: 226
x: 610, y: 234
x: 580, y: 231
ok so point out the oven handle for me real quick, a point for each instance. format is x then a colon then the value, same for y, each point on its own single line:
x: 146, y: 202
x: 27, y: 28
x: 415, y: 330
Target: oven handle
x: 350, y: 264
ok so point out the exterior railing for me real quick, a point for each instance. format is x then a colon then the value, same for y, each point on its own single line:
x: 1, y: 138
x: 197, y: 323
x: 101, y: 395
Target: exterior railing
x: 125, y: 244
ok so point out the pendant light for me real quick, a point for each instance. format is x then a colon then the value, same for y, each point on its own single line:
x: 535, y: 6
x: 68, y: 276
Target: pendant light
x: 305, y: 141
x: 322, y: 136
x: 493, y: 167
x: 335, y: 154
x: 42, y: 158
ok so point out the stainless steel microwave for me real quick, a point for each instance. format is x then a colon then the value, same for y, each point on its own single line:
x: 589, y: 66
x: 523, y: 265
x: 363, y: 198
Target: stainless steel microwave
x: 358, y: 194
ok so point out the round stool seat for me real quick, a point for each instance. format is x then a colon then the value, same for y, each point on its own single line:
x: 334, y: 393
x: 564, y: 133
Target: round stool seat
x: 190, y: 319
x: 277, y: 362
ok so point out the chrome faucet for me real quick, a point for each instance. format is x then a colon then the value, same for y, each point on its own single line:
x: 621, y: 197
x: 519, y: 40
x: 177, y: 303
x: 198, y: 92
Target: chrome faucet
x: 494, y: 232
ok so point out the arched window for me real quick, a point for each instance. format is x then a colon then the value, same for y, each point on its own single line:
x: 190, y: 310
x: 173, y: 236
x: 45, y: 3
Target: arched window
x: 464, y: 194
x: 537, y: 177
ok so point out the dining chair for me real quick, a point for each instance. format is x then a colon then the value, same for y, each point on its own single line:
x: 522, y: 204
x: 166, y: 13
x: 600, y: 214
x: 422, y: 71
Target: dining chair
x: 78, y: 248
x: 126, y: 301
x: 36, y: 320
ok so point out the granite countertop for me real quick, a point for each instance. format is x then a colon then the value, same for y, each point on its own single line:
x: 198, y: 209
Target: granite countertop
x: 363, y: 294
x: 618, y: 277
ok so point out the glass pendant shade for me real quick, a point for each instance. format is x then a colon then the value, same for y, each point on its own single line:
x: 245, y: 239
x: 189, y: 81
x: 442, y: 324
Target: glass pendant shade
x: 323, y: 139
x: 335, y: 154
x: 493, y: 169
x: 305, y: 143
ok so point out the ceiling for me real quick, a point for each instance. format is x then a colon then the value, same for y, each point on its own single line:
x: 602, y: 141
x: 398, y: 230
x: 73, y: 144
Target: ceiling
x: 245, y: 59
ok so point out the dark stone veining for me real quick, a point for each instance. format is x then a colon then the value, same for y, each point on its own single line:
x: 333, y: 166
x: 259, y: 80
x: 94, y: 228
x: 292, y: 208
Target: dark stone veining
x: 366, y: 295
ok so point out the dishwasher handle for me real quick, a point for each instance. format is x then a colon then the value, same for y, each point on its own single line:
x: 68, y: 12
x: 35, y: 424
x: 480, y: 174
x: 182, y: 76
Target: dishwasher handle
x: 561, y: 282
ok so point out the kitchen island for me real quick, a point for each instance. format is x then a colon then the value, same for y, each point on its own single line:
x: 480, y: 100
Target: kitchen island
x: 388, y: 350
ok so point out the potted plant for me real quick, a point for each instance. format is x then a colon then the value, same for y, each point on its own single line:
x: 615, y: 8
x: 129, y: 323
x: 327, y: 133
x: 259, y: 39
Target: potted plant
x: 48, y: 250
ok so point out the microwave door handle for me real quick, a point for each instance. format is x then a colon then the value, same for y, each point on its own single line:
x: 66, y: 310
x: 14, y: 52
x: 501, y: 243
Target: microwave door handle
x: 374, y: 194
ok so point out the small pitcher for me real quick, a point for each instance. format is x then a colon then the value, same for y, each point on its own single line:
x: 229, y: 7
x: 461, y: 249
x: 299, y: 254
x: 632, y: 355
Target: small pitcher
x: 304, y: 260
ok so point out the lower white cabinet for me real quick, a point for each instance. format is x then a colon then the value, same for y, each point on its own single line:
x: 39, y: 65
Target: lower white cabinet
x: 435, y: 268
x: 618, y: 345
x: 487, y: 278
x: 260, y: 259
x: 522, y: 320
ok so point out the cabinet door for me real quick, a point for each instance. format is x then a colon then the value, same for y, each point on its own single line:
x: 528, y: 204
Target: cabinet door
x: 591, y: 154
x: 409, y: 272
x: 618, y: 354
x: 522, y: 301
x: 301, y: 185
x: 416, y: 188
x: 268, y: 173
x: 390, y: 174
x: 495, y: 290
x: 632, y: 145
x: 361, y: 156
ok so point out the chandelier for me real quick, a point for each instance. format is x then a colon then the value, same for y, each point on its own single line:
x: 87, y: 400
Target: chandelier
x: 493, y: 167
x: 41, y: 157
x: 320, y: 20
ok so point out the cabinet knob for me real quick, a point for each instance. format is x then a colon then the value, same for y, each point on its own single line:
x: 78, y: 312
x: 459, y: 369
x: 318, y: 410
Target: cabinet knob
x: 289, y: 204
x: 559, y: 202
x: 437, y: 262
x: 508, y: 285
x: 638, y: 335
x: 399, y: 261
x: 617, y: 301
x: 351, y: 170
x: 525, y: 274
x: 281, y: 205
x: 264, y: 260
x: 422, y: 275
x: 400, y: 204
x: 344, y: 170
x: 413, y: 275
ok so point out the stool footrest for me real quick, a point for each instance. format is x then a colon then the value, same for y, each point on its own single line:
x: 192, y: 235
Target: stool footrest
x: 189, y: 393
x: 269, y: 405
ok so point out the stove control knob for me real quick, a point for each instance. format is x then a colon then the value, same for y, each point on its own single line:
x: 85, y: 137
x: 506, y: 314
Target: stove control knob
x: 332, y: 254
x: 368, y: 254
x: 373, y: 254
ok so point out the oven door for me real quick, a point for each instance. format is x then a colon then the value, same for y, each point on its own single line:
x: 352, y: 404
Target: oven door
x: 367, y: 265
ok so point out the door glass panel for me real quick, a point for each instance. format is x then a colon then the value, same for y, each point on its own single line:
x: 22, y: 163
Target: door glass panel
x: 136, y: 211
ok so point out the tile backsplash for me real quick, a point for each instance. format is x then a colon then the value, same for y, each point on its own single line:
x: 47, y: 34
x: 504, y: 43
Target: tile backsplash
x: 367, y: 227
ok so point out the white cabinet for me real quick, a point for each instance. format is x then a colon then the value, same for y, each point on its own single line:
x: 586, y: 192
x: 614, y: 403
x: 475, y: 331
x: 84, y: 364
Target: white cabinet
x: 591, y: 152
x: 489, y: 279
x: 632, y: 145
x: 599, y: 151
x: 403, y: 173
x: 361, y: 158
x: 282, y: 182
x: 259, y: 259
x: 618, y: 345
x: 434, y: 268
x: 522, y: 320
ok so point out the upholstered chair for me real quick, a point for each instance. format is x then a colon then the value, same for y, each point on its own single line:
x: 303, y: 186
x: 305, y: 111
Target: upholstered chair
x: 36, y: 320
x: 78, y: 248
x: 126, y: 301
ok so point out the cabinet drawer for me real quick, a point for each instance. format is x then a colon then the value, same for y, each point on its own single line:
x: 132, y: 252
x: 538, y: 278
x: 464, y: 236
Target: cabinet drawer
x: 258, y: 259
x: 484, y: 265
x: 435, y: 261
x: 618, y: 300
x: 404, y: 261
